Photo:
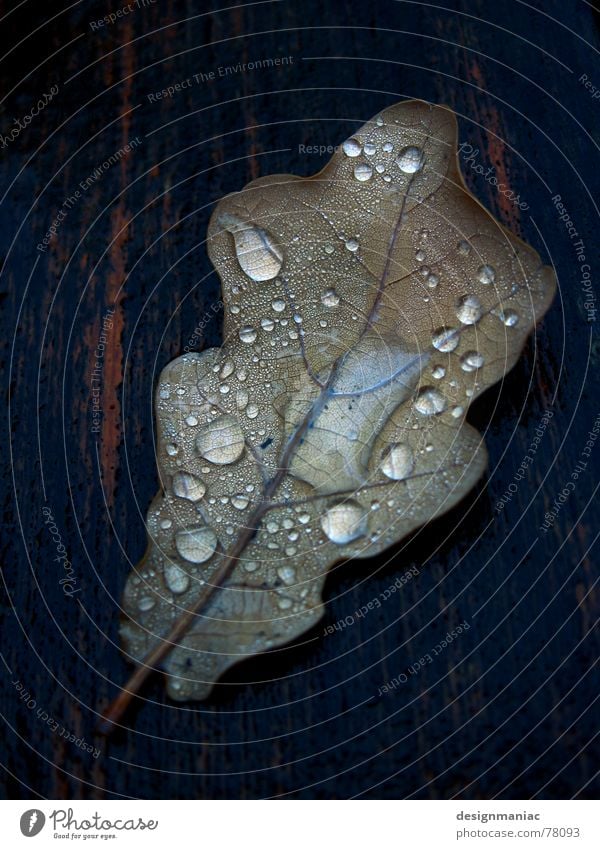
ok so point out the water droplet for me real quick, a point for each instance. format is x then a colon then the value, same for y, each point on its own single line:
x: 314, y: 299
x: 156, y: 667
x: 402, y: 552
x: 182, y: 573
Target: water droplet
x: 370, y: 148
x: 352, y: 245
x: 267, y: 324
x: 420, y: 256
x: 257, y: 252
x: 241, y: 399
x: 363, y: 172
x: 398, y: 462
x: 445, y: 339
x: 344, y: 522
x: 191, y: 421
x: 247, y: 334
x: 146, y: 603
x: 430, y: 402
x: 176, y: 579
x: 469, y: 309
x: 252, y: 411
x: 432, y: 280
x: 188, y: 486
x: 388, y: 147
x: 227, y: 369
x: 486, y: 274
x: 171, y: 449
x: 330, y: 298
x: 471, y: 361
x: 438, y: 372
x: 463, y: 247
x: 196, y: 544
x: 303, y: 518
x: 510, y: 318
x: 164, y: 393
x: 410, y: 160
x: 239, y: 501
x: 287, y: 575
x: 329, y: 249
x: 166, y: 524
x: 221, y: 441
x: 457, y: 412
x: 352, y: 147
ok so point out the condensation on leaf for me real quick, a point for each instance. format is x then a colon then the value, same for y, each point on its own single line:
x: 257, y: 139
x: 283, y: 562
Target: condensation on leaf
x: 365, y: 308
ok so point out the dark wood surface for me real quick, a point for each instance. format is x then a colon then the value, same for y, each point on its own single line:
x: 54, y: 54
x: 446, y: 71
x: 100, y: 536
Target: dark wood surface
x: 510, y: 708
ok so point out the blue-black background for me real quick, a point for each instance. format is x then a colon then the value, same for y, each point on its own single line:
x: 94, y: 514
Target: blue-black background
x: 509, y: 708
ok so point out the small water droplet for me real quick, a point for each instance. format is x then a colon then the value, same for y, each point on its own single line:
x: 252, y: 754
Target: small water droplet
x: 303, y: 518
x: 267, y: 324
x: 257, y: 252
x: 463, y: 248
x: 438, y: 372
x: 388, y: 147
x: 344, y: 522
x: 445, y: 339
x: 363, y: 172
x: 196, y: 544
x: 330, y: 298
x: 469, y: 309
x: 171, y: 449
x: 410, y: 160
x: 166, y: 524
x: 227, y: 369
x: 239, y: 501
x: 287, y: 575
x: 352, y: 147
x: 221, y: 441
x: 176, y: 579
x: 252, y: 411
x: 420, y: 256
x: 370, y: 149
x: 399, y: 462
x: 186, y: 485
x: 352, y: 245
x: 191, y: 421
x: 247, y: 334
x: 432, y: 280
x: 457, y: 412
x: 486, y: 274
x: 510, y: 318
x: 278, y: 305
x: 146, y: 603
x: 471, y: 361
x: 430, y: 402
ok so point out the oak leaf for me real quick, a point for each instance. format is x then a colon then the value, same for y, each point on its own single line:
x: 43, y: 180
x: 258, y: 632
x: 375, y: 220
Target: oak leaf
x: 365, y: 308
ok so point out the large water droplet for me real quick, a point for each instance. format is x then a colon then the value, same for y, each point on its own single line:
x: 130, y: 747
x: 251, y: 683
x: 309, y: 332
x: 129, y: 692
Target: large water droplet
x: 221, y: 441
x: 430, y: 402
x: 363, y: 172
x: 344, y: 522
x: 410, y: 160
x: 188, y: 486
x: 240, y: 501
x: 399, y: 462
x: 196, y: 544
x: 352, y: 147
x: 176, y: 579
x: 471, y: 361
x: 469, y: 310
x: 486, y: 274
x: 247, y: 334
x: 445, y: 339
x: 257, y: 252
x: 330, y: 298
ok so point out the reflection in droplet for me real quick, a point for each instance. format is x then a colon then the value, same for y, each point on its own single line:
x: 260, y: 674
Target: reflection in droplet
x: 344, y: 522
x: 363, y: 172
x: 330, y: 298
x: 399, y: 462
x: 186, y: 485
x: 445, y: 339
x: 221, y: 441
x: 410, y: 160
x: 469, y: 309
x: 430, y: 402
x: 257, y: 252
x: 247, y: 334
x: 351, y: 147
x: 471, y: 361
x: 196, y: 544
x: 176, y: 579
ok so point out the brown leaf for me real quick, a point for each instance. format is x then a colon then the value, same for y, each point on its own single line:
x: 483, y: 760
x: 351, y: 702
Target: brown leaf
x: 365, y: 307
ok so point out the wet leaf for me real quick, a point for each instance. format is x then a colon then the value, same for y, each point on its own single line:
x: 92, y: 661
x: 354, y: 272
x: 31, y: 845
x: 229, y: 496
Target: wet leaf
x: 365, y: 307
